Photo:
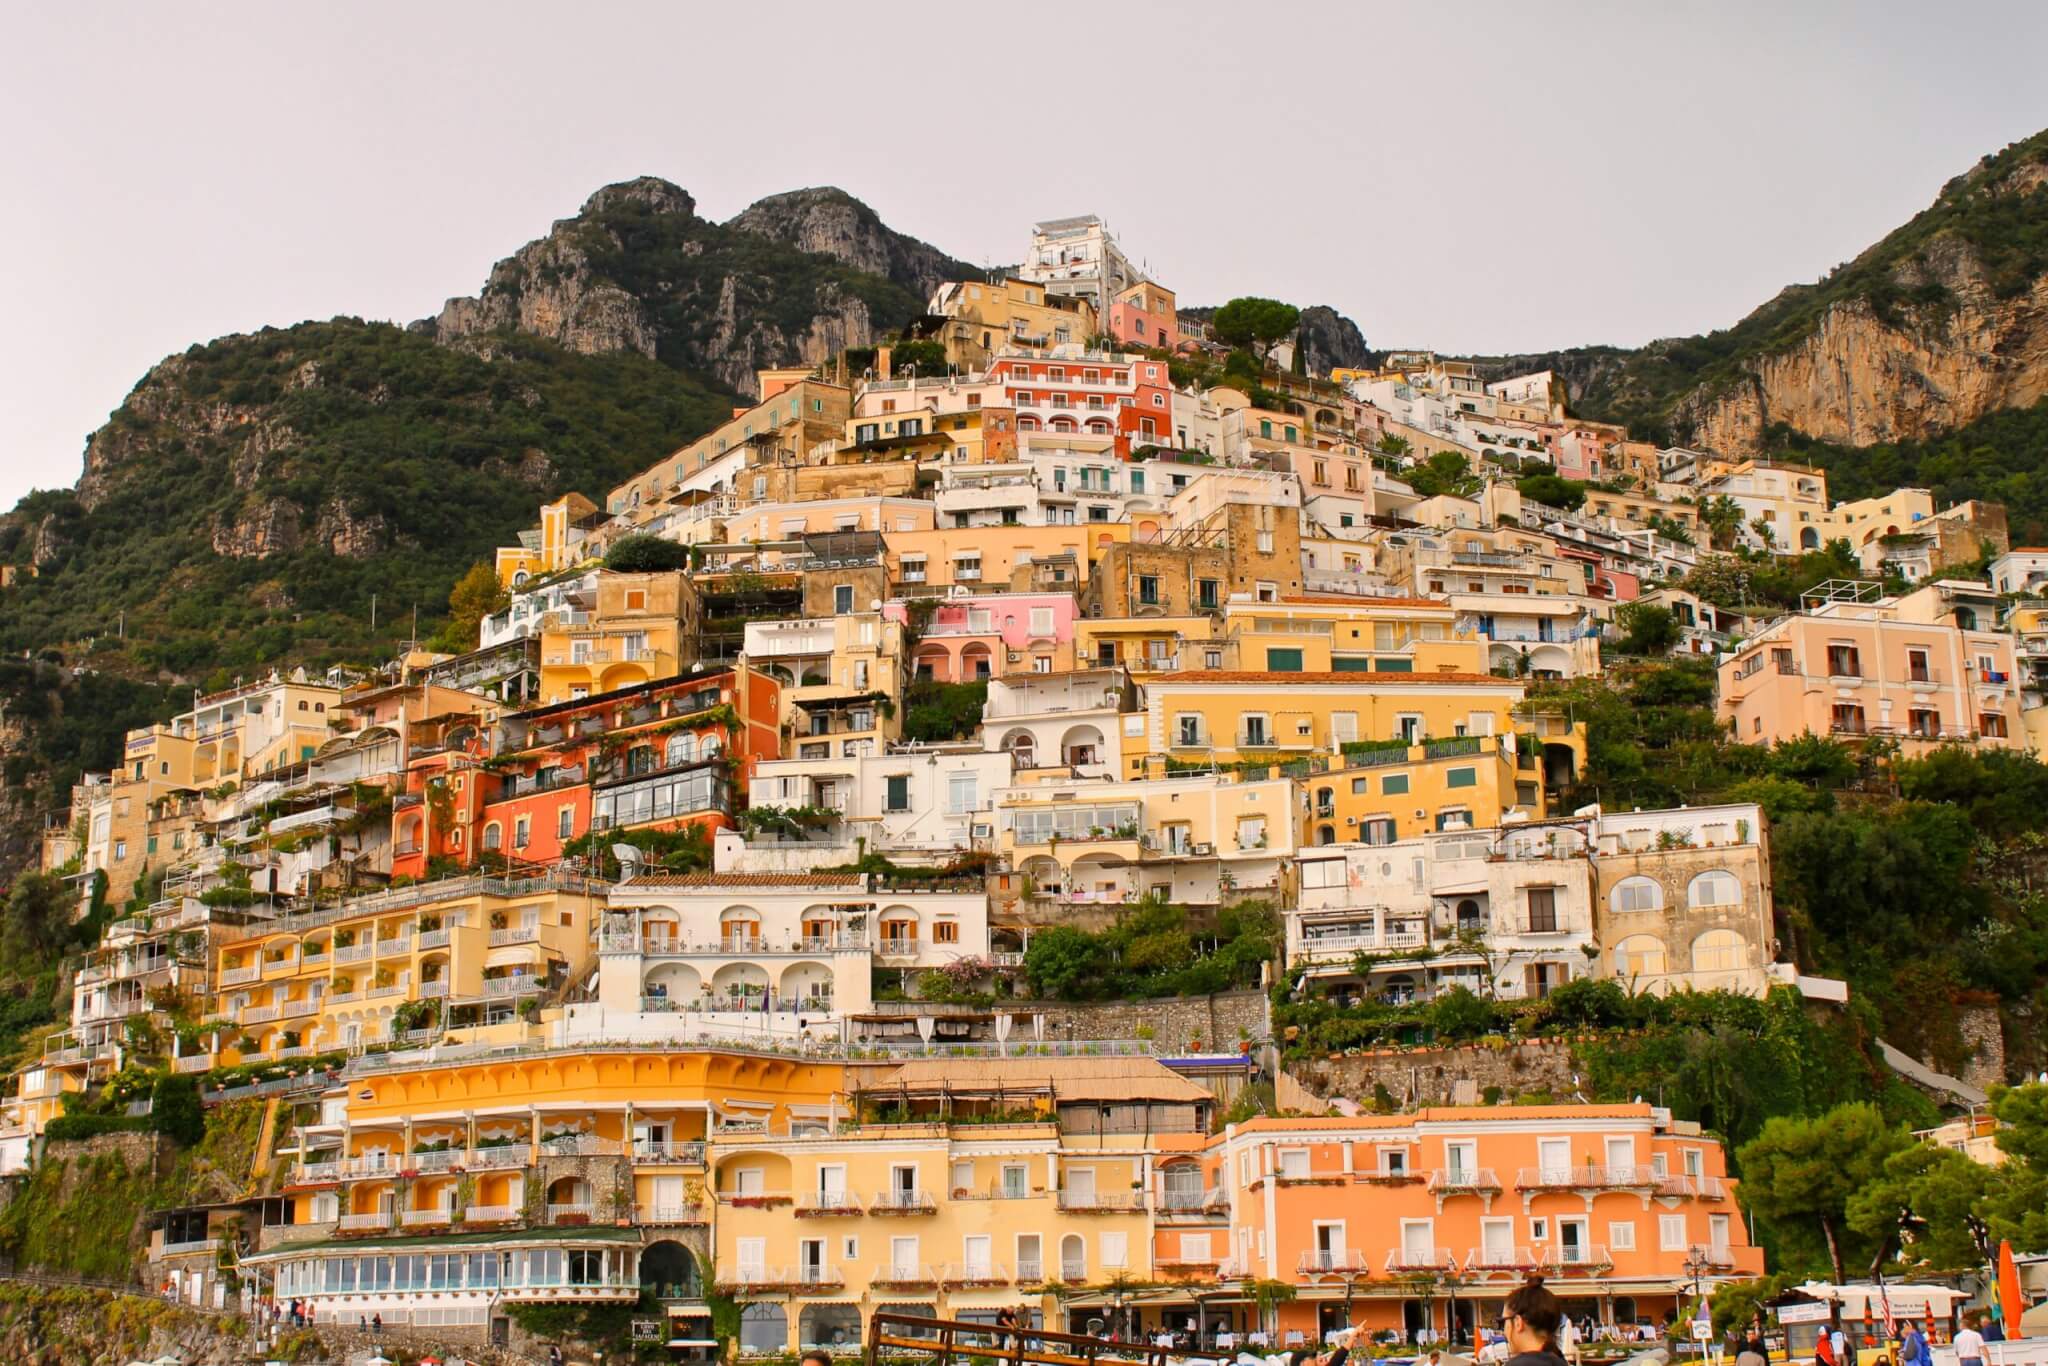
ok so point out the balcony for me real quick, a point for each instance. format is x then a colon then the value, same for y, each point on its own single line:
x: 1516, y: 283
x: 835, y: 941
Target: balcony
x: 186, y: 1248
x: 903, y: 1202
x: 426, y: 1218
x: 1583, y: 1259
x: 315, y: 960
x: 686, y: 1152
x: 1405, y: 1261
x: 250, y: 1015
x: 773, y: 1278
x: 906, y: 1276
x: 317, y: 1172
x: 490, y: 1214
x: 1691, y: 1187
x: 579, y: 1211
x: 672, y: 1214
x: 434, y: 939
x: 388, y: 948
x: 434, y: 989
x: 1266, y: 739
x: 825, y: 1204
x: 193, y: 1062
x: 1333, y: 1262
x: 1586, y: 1178
x: 1507, y: 1260
x: 507, y: 1155
x: 292, y: 1010
x: 437, y: 1160
x: 514, y: 934
x: 1464, y: 1181
x: 498, y: 988
x: 234, y: 977
x: 353, y: 953
x: 377, y: 1221
x: 970, y: 1274
x: 581, y: 1145
x: 1102, y: 1202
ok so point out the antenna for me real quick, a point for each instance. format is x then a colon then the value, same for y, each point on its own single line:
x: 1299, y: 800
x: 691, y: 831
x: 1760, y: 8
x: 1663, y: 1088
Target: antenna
x: 629, y: 857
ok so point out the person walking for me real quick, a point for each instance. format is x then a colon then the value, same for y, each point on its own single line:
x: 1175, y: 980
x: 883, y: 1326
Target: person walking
x: 1969, y: 1344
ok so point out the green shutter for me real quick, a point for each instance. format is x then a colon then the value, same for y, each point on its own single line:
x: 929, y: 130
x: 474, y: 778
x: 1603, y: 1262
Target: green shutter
x: 899, y: 793
x: 1283, y: 661
x: 1394, y: 785
x: 1462, y: 777
x: 1350, y: 664
x: 1394, y: 666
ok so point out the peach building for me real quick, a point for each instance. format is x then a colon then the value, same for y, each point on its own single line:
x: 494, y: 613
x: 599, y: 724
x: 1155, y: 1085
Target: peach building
x: 1431, y: 1218
x: 1924, y: 668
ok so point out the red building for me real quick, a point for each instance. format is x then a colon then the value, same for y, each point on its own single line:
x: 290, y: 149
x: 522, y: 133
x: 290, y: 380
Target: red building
x: 667, y: 754
x: 1090, y: 393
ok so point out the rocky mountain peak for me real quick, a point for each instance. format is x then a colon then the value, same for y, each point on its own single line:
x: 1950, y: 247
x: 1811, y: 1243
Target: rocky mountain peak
x: 827, y: 221
x: 660, y: 195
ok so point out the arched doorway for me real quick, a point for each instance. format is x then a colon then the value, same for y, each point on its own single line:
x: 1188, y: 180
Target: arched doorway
x: 669, y: 1272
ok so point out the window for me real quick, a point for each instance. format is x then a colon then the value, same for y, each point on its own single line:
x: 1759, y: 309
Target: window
x: 1716, y: 887
x: 565, y: 822
x: 1916, y: 667
x: 961, y: 796
x: 1639, y: 955
x: 1543, y: 910
x: 1991, y: 725
x: 1671, y: 1232
x: 1846, y: 719
x: 1283, y: 661
x: 1041, y: 621
x: 1188, y: 728
x: 1294, y: 1163
x: 1394, y: 785
x: 945, y: 932
x: 522, y: 832
x: 1717, y: 951
x: 1462, y: 777
x: 1636, y: 894
x: 842, y: 599
x: 1621, y: 1235
x: 1208, y: 593
x: 1148, y: 589
x: 1844, y: 662
x: 896, y: 792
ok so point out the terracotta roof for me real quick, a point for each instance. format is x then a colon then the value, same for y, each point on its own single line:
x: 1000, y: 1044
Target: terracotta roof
x: 1450, y: 1114
x: 1363, y: 676
x: 1352, y: 600
x: 1106, y: 1079
x: 744, y: 880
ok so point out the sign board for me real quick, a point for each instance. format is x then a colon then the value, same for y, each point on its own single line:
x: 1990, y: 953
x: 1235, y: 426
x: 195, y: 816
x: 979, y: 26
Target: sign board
x: 1817, y: 1312
x: 647, y: 1330
x: 1702, y: 1329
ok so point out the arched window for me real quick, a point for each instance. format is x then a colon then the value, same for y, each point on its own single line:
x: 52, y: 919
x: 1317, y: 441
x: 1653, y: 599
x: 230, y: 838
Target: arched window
x: 1639, y: 955
x: 1717, y: 887
x: 494, y: 835
x: 1636, y: 894
x: 1326, y: 834
x: 640, y: 759
x: 682, y: 748
x: 1717, y: 951
x: 1074, y: 1259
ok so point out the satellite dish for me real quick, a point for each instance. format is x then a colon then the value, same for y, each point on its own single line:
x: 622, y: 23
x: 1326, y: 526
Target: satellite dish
x: 629, y: 857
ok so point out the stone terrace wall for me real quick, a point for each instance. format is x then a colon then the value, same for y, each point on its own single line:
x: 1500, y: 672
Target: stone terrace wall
x: 1432, y: 1076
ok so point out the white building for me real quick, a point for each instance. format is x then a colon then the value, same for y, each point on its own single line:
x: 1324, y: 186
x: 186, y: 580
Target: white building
x: 1079, y: 257
x: 926, y: 800
x: 1505, y: 913
x: 704, y: 955
x: 1075, y: 720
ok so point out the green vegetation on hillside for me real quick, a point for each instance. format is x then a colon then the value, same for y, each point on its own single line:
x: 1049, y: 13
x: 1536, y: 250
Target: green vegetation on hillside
x: 438, y: 454
x: 1917, y: 880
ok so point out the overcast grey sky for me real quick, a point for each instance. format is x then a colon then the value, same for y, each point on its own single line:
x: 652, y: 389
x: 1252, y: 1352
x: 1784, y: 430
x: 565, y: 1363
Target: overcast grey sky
x: 1480, y: 177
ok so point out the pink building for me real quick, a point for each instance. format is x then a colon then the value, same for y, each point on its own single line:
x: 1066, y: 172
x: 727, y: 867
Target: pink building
x: 1856, y: 664
x: 1144, y: 315
x: 992, y: 634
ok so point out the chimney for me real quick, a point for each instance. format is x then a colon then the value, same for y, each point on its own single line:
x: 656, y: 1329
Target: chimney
x: 881, y: 362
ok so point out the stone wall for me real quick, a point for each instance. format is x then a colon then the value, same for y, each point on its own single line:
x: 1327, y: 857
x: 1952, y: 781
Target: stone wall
x: 1984, y: 1038
x: 1443, y: 1076
x: 1219, y: 1020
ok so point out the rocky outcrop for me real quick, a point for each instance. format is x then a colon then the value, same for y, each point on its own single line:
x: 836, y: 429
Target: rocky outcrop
x: 830, y: 222
x: 1332, y: 340
x: 789, y: 281
x: 258, y: 529
x: 345, y: 532
x: 1860, y: 379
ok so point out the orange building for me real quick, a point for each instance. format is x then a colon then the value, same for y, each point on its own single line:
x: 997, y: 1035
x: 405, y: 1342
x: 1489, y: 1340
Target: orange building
x: 1431, y: 1218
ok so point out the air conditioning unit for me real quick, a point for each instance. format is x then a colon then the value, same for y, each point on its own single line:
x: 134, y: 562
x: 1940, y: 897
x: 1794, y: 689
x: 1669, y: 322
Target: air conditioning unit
x: 1015, y: 656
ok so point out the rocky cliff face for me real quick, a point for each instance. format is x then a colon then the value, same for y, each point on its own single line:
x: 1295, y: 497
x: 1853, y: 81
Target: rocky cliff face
x: 1860, y: 378
x: 790, y: 281
x: 830, y: 222
x: 1332, y: 340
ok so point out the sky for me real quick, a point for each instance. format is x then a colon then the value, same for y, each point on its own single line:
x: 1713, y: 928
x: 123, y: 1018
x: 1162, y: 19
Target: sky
x: 1480, y: 178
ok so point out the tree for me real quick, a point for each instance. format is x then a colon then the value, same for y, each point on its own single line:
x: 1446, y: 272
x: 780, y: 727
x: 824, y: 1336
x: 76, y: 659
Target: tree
x: 1254, y: 323
x: 38, y: 917
x: 1065, y: 963
x: 1446, y: 472
x: 175, y: 1110
x: 1552, y: 490
x: 644, y: 554
x: 1800, y: 1174
x: 1942, y: 1189
x: 1391, y: 444
x: 476, y: 595
x: 1722, y: 516
x: 1647, y: 628
x: 1461, y: 1014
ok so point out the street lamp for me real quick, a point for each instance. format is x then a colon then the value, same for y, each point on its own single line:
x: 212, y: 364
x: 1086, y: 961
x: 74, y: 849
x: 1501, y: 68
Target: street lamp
x: 1696, y: 1265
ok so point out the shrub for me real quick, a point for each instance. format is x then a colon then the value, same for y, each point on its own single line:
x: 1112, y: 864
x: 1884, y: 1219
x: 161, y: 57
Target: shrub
x: 644, y: 554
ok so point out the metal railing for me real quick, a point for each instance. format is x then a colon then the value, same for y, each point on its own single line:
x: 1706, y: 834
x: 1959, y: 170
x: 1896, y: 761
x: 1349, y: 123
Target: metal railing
x: 903, y: 1202
x: 1324, y: 1261
x: 1468, y: 1179
x: 1502, y: 1259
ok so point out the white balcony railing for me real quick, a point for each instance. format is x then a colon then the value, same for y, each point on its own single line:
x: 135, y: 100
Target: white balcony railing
x: 575, y: 1210
x: 376, y: 1219
x: 1332, y: 1261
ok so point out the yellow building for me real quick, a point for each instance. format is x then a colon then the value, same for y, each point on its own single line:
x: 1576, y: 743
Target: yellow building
x: 1227, y: 716
x: 998, y: 556
x: 1383, y: 791
x: 982, y: 319
x: 841, y: 677
x: 1338, y: 633
x: 961, y: 1187
x: 795, y: 413
x: 642, y: 627
x: 480, y: 947
x: 562, y: 541
x: 1146, y: 645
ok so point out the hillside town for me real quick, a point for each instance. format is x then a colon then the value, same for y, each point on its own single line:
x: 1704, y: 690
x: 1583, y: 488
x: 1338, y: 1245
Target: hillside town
x: 712, y: 938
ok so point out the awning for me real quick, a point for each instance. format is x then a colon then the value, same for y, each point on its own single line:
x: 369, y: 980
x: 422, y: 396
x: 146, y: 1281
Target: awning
x: 693, y: 1342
